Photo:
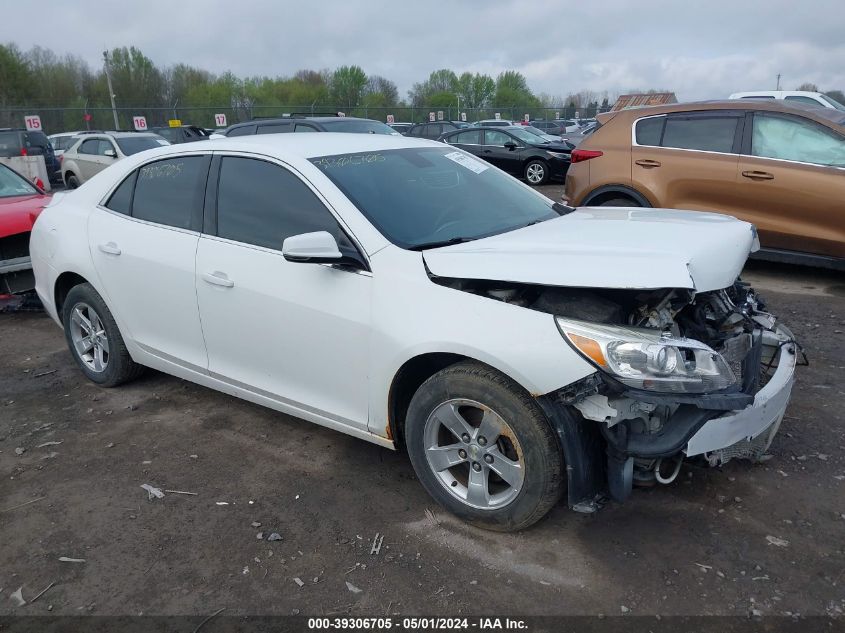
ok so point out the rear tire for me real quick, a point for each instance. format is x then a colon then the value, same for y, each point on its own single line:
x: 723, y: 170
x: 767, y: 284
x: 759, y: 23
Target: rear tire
x: 620, y: 202
x: 94, y: 339
x: 72, y: 181
x: 536, y: 172
x: 483, y: 449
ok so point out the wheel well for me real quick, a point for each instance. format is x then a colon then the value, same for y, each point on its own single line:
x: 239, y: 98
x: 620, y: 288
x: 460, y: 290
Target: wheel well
x: 405, y: 384
x: 64, y: 283
x: 613, y: 192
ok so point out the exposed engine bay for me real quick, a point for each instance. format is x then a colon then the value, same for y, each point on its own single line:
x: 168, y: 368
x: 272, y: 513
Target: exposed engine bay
x: 649, y: 425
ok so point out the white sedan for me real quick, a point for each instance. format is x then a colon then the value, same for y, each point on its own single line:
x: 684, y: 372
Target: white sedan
x: 409, y: 294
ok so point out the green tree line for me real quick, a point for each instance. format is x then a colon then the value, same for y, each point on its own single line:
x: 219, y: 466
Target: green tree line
x: 40, y: 79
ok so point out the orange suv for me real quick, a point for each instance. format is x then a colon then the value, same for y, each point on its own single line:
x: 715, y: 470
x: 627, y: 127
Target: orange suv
x: 779, y: 166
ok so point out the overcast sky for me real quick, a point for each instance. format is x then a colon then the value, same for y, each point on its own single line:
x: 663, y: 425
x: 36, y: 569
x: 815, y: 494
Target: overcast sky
x: 561, y: 47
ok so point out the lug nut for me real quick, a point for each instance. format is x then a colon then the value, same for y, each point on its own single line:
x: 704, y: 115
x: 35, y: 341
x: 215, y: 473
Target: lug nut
x: 488, y: 459
x: 482, y: 440
x: 465, y: 438
x: 462, y: 454
x: 476, y: 466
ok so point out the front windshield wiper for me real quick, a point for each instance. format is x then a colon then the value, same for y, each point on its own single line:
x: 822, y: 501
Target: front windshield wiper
x: 563, y: 209
x: 449, y: 242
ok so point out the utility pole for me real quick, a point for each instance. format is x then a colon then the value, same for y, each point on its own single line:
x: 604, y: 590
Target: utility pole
x: 111, y: 90
x: 778, y: 84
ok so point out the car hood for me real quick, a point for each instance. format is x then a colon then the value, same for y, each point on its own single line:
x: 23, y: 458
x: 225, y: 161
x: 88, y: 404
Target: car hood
x: 18, y: 213
x: 608, y: 247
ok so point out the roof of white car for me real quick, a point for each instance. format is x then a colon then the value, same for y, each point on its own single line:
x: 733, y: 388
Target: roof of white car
x: 306, y: 145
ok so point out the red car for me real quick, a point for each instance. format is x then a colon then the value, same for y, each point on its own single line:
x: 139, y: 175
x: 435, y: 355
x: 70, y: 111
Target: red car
x: 20, y: 203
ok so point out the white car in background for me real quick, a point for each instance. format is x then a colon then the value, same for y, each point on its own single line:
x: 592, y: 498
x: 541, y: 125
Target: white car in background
x: 62, y: 142
x: 816, y: 99
x: 93, y: 152
x: 409, y: 294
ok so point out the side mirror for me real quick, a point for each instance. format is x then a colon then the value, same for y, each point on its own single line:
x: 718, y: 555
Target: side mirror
x: 511, y: 145
x: 110, y: 153
x: 313, y: 248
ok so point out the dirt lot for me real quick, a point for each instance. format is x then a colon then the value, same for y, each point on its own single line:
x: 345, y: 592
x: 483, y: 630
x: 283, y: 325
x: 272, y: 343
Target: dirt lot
x: 700, y: 546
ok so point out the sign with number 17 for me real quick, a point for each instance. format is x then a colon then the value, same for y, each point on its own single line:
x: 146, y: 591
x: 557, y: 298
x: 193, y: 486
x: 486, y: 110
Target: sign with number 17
x: 220, y: 120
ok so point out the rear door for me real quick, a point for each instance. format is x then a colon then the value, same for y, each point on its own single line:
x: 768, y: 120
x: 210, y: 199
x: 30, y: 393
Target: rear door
x: 468, y: 140
x: 88, y: 158
x: 688, y: 160
x: 143, y: 243
x: 792, y: 183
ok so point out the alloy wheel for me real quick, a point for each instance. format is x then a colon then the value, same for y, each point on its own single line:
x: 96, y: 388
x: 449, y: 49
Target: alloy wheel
x: 89, y: 337
x: 474, y: 454
x: 535, y: 173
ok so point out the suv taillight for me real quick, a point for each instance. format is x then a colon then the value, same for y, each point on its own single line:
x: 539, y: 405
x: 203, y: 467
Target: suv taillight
x: 580, y: 155
x: 23, y: 151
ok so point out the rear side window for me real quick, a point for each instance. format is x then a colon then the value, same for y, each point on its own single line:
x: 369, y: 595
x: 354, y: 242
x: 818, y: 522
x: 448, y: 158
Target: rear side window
x: 171, y: 191
x: 711, y: 134
x: 89, y: 146
x: 246, y: 130
x: 10, y: 143
x: 261, y: 203
x: 648, y: 131
x: 473, y: 137
x: 805, y: 100
x: 274, y: 128
x: 121, y: 199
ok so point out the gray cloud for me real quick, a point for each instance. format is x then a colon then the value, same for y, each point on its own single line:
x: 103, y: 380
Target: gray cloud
x: 701, y: 52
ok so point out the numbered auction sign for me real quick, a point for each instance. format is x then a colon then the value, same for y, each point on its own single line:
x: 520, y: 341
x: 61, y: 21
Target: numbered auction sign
x: 527, y: 118
x: 498, y: 116
x: 463, y: 116
x: 390, y: 119
x: 140, y: 123
x: 440, y: 115
x: 33, y: 123
x: 431, y: 116
x: 220, y: 120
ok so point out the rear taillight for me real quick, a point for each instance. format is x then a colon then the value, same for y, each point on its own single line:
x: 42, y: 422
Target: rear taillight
x: 580, y: 155
x: 23, y: 151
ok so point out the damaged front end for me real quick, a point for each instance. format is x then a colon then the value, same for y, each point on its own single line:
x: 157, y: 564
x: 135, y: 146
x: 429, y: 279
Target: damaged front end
x: 679, y: 374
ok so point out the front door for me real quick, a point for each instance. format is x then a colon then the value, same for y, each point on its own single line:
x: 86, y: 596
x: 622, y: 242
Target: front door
x: 143, y: 249
x: 495, y: 152
x: 295, y: 332
x: 792, y: 183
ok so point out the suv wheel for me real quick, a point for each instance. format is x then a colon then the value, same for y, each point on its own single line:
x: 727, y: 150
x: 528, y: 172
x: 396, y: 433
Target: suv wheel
x: 536, y: 172
x: 72, y: 181
x: 483, y: 449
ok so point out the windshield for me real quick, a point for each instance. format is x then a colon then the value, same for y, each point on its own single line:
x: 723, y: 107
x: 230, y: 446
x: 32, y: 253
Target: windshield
x: 133, y: 145
x: 358, y: 126
x: 426, y: 196
x: 833, y: 102
x: 11, y: 184
x: 524, y: 135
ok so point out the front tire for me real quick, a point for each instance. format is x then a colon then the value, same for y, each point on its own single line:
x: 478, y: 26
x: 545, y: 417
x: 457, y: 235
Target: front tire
x: 536, y: 172
x: 72, y: 181
x: 483, y: 448
x: 619, y: 202
x: 94, y: 339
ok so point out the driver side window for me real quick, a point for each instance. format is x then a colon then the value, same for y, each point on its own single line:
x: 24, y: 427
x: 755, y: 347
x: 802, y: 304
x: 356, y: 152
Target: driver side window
x: 261, y: 203
x: 494, y: 137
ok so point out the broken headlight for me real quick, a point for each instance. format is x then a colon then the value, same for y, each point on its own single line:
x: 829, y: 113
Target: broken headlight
x: 649, y: 359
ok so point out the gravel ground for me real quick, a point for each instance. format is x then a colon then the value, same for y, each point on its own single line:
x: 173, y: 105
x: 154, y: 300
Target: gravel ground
x: 735, y: 540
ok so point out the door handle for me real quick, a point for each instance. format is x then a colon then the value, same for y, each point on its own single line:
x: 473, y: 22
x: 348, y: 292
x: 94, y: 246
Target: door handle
x: 643, y: 162
x: 109, y: 248
x: 758, y: 175
x: 218, y: 279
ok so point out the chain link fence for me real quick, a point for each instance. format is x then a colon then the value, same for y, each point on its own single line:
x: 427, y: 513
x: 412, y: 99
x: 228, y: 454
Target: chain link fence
x: 54, y: 120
